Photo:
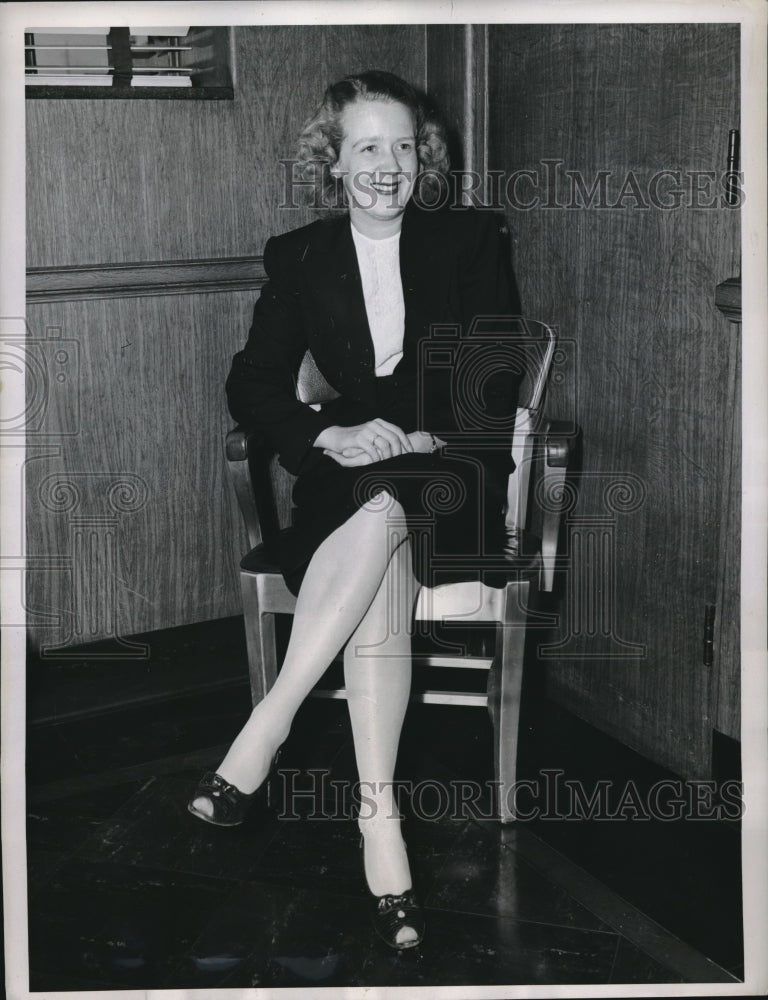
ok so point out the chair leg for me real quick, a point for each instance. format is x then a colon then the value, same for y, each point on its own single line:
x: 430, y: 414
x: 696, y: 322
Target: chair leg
x: 505, y: 683
x: 260, y: 639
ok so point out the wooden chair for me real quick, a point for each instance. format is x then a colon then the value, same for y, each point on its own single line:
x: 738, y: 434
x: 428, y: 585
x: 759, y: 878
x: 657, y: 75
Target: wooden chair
x: 527, y: 563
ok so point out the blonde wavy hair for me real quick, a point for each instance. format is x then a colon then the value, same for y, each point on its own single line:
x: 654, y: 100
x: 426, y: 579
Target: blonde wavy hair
x: 320, y: 139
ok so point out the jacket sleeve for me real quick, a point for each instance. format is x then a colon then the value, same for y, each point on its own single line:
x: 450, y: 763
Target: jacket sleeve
x: 489, y: 298
x: 487, y: 285
x: 261, y: 387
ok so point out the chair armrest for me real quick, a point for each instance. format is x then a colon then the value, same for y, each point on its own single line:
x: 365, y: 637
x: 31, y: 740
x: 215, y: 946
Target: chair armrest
x: 559, y: 445
x: 241, y: 443
x: 240, y: 440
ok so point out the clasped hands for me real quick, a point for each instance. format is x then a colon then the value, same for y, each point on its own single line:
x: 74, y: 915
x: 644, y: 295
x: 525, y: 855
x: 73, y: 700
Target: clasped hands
x: 371, y: 442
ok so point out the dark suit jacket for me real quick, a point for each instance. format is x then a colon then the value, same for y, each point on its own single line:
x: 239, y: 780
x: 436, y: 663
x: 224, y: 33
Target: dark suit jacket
x: 453, y: 269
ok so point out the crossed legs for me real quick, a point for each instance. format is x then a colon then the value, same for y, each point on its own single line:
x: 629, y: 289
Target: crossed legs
x: 358, y: 590
x: 377, y: 676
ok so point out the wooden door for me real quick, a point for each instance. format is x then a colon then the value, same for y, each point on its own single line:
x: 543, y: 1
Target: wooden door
x: 620, y: 235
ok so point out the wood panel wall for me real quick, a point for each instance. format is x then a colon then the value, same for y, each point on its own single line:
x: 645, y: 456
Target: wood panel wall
x: 115, y: 181
x: 651, y: 378
x: 142, y: 401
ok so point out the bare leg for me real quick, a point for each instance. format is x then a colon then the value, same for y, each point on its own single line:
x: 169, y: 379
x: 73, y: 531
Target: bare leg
x: 377, y: 673
x: 341, y: 580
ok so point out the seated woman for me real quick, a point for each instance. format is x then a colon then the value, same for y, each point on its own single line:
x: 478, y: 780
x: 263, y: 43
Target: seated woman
x: 362, y: 291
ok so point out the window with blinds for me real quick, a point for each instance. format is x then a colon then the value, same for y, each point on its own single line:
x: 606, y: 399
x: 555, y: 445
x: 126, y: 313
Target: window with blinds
x: 128, y: 62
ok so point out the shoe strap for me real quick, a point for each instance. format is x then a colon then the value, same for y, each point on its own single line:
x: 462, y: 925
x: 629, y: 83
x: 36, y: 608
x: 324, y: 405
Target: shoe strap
x: 405, y: 900
x: 226, y: 798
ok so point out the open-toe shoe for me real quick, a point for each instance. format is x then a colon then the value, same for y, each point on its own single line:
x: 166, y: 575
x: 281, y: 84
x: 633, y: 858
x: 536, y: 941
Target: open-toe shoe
x: 228, y: 804
x: 393, y: 913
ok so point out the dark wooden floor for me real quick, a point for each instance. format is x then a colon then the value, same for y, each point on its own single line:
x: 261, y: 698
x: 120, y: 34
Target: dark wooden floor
x: 127, y: 890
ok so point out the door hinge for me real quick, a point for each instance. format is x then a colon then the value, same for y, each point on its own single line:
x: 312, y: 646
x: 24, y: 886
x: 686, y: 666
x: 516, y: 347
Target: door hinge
x: 709, y: 634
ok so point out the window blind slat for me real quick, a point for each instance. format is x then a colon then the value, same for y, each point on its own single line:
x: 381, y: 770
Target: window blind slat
x: 128, y: 57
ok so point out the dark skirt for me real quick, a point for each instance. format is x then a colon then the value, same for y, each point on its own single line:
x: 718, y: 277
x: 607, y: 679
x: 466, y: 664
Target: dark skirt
x: 453, y: 504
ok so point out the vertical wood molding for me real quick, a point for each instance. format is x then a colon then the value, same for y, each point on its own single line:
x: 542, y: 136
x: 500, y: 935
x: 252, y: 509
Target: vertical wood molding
x: 726, y: 676
x: 457, y: 78
x: 476, y: 103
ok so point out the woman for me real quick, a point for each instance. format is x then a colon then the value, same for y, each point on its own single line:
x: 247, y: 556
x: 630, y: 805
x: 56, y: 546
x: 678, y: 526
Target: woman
x: 362, y: 292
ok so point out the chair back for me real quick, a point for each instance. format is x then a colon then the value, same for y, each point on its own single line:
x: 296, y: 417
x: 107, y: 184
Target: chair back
x: 533, y: 345
x: 311, y: 385
x: 535, y: 342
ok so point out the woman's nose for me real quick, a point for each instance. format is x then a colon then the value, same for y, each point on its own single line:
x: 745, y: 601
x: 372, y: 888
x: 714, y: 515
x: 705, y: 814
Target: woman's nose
x: 389, y: 162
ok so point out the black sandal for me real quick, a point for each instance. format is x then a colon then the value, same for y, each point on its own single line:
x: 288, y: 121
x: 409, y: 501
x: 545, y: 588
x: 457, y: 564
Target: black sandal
x: 228, y: 803
x: 395, y: 912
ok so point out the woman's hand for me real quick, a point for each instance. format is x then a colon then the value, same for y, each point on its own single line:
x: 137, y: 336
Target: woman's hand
x: 365, y: 443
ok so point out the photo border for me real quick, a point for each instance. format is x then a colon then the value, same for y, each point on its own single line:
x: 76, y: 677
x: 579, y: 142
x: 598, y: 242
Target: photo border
x: 752, y: 16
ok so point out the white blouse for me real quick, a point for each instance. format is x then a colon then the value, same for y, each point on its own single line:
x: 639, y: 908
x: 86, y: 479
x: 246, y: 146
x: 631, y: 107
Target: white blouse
x: 379, y: 263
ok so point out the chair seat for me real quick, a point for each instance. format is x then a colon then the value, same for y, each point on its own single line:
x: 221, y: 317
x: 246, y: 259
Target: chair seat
x: 520, y: 555
x: 261, y: 559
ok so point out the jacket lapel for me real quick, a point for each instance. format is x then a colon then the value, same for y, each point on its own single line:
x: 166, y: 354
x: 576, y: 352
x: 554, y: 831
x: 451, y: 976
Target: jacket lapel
x: 424, y: 275
x: 342, y: 292
x: 338, y: 286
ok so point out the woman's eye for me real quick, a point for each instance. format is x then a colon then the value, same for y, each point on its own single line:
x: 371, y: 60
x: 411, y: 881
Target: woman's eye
x: 369, y: 149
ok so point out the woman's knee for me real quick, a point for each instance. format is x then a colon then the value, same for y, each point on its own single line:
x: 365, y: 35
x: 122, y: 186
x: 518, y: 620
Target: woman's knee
x: 385, y: 505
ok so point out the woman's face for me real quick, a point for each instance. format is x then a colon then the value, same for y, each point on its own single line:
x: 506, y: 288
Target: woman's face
x: 377, y: 163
